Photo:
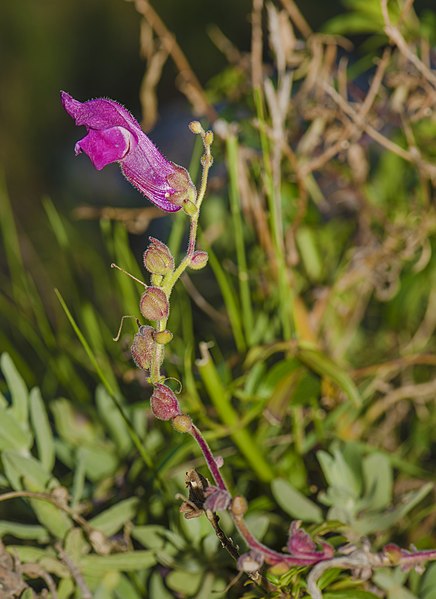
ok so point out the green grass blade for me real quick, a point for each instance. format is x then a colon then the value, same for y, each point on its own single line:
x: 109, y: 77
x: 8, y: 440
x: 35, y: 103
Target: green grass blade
x: 136, y: 440
x: 244, y: 283
x: 228, y: 415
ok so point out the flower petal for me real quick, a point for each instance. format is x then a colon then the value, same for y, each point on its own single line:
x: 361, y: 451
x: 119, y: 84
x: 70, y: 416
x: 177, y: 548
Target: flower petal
x: 106, y: 146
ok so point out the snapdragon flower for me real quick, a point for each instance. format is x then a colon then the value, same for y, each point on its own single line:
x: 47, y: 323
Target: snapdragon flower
x: 114, y: 135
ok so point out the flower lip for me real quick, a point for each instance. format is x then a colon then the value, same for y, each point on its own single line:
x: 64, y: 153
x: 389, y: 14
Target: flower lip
x: 114, y: 135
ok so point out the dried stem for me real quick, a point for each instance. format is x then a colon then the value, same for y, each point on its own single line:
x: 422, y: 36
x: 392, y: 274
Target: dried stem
x: 170, y: 44
x: 394, y: 34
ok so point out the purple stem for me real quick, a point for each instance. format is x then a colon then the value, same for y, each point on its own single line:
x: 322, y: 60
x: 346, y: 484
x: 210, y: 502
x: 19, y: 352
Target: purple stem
x: 210, y: 460
x: 270, y: 556
x: 413, y: 558
x: 273, y: 557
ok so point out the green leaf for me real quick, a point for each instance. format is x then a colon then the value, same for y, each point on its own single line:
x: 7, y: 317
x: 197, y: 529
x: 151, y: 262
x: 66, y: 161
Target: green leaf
x: 97, y: 566
x: 350, y: 594
x: 12, y: 434
x: 113, y: 420
x: 379, y: 522
x: 18, y: 467
x: 157, y: 537
x: 41, y: 426
x: 295, y: 503
x: 23, y: 531
x: 309, y: 251
x: 17, y: 388
x: 377, y: 476
x: 184, y: 582
x: 28, y: 473
x: 427, y: 588
x: 324, y: 366
x: 338, y: 472
x: 111, y: 520
x: 99, y: 461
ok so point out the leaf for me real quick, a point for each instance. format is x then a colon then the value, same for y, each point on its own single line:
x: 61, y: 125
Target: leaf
x: 324, y: 366
x: 350, y: 594
x: 377, y: 476
x: 111, y: 520
x: 23, y: 531
x: 41, y: 427
x: 379, y: 522
x: 113, y: 420
x: 18, y: 467
x: 17, y: 388
x: 184, y: 582
x: 12, y: 434
x: 157, y: 537
x: 427, y: 588
x: 338, y: 472
x: 97, y: 566
x: 28, y: 473
x: 99, y: 461
x: 295, y: 503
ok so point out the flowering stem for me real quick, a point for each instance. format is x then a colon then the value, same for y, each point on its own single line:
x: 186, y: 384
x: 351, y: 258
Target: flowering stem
x: 269, y: 555
x: 209, y: 457
x: 171, y: 279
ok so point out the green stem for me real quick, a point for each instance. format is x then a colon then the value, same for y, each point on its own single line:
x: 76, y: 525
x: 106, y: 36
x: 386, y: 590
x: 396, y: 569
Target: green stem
x: 273, y: 197
x: 228, y: 415
x: 244, y: 285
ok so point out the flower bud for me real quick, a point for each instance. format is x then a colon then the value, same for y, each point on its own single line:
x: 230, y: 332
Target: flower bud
x: 158, y: 258
x: 182, y: 423
x: 239, y: 506
x: 163, y: 337
x: 164, y: 403
x: 393, y: 553
x: 143, y: 347
x: 208, y: 138
x: 154, y: 304
x: 181, y: 182
x: 198, y: 260
x: 250, y: 562
x: 189, y: 208
x: 195, y: 127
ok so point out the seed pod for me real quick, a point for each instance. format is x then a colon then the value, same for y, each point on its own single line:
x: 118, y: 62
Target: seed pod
x: 164, y: 403
x: 198, y: 260
x: 154, y: 304
x: 143, y: 347
x: 158, y: 258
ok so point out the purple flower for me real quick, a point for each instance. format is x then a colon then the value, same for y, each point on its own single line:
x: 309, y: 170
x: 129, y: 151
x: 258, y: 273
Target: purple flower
x: 113, y: 135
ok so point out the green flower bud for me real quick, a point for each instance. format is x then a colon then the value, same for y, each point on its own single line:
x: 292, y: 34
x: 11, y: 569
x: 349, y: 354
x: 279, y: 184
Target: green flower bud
x: 154, y: 304
x: 158, y: 258
x: 198, y: 260
x: 196, y: 127
x: 164, y: 403
x: 189, y: 208
x: 208, y: 138
x: 163, y: 337
x: 182, y: 423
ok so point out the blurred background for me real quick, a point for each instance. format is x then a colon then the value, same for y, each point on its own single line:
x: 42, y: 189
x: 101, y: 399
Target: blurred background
x: 91, y: 48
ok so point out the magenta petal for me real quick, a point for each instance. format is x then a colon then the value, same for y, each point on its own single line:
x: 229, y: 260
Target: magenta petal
x: 148, y: 182
x: 106, y: 146
x: 114, y: 135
